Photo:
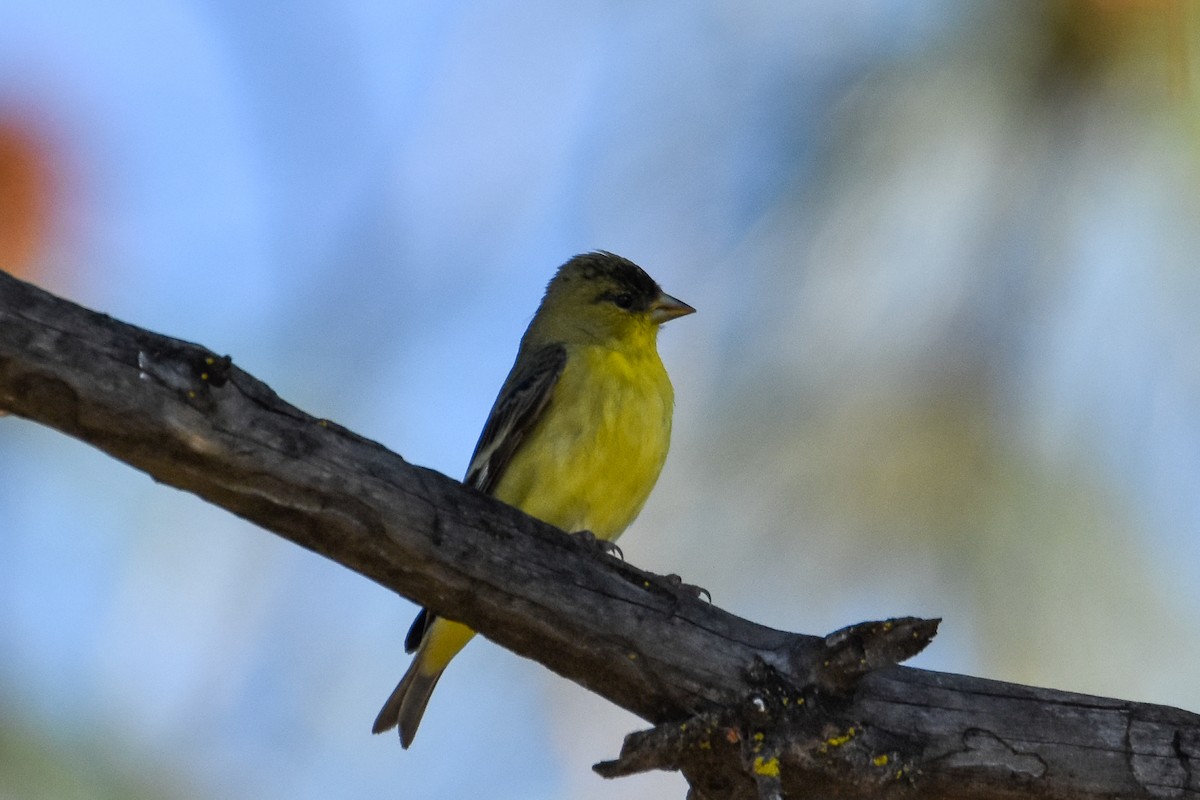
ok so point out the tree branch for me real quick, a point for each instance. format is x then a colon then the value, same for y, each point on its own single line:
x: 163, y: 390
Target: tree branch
x: 743, y: 710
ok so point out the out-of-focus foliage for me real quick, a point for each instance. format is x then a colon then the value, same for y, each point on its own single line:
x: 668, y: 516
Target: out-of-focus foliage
x: 75, y: 764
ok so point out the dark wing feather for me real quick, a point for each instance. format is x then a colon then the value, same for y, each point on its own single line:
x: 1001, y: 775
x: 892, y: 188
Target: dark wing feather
x: 416, y: 631
x: 522, y: 399
x: 520, y: 404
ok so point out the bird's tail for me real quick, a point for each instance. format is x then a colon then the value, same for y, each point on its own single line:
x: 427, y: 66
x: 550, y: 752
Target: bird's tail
x: 440, y: 641
x: 406, y: 705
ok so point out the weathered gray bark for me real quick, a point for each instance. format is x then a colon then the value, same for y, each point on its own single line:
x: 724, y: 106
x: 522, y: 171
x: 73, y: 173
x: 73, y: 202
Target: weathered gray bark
x: 742, y: 710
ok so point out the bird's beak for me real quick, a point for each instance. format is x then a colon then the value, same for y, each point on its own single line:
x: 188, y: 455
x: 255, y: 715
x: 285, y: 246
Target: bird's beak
x: 667, y: 308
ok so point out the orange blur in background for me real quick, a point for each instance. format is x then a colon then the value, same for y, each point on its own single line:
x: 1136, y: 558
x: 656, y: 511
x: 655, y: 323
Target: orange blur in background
x: 26, y: 199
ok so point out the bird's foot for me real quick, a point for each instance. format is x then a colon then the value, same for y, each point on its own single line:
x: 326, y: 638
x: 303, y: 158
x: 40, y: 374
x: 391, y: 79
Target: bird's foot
x: 593, y: 542
x: 680, y: 589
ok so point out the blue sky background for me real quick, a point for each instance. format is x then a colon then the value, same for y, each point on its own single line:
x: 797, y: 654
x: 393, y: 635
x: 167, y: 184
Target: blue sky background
x: 945, y: 360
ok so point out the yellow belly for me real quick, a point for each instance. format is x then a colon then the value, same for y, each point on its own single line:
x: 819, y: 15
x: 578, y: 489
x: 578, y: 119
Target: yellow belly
x: 592, y: 459
x: 589, y: 464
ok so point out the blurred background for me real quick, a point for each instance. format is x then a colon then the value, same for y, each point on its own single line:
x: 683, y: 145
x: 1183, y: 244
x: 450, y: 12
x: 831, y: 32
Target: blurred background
x: 946, y: 360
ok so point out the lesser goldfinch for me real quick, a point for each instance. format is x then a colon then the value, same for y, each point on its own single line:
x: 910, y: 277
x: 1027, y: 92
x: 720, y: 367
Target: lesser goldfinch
x: 576, y: 437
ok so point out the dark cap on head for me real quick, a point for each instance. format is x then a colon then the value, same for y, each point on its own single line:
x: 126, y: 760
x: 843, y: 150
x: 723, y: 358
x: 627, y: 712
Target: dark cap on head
x: 622, y: 276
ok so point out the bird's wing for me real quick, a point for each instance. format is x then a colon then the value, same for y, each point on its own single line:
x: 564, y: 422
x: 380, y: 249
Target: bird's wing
x: 521, y: 402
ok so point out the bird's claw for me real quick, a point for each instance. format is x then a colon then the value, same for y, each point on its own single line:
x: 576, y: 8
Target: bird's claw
x: 681, y: 589
x: 590, y: 540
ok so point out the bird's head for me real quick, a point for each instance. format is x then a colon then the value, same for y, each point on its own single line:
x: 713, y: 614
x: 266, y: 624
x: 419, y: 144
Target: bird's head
x: 602, y: 298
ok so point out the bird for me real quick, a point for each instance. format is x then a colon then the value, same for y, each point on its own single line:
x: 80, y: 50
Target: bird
x: 577, y: 436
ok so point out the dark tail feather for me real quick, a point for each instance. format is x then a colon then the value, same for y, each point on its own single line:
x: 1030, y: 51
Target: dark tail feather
x: 406, y: 705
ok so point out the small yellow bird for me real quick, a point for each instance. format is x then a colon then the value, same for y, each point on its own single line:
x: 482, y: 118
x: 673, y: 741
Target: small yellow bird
x: 576, y: 437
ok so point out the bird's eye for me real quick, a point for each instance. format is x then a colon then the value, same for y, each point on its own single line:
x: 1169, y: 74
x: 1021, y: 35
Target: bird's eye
x: 624, y: 300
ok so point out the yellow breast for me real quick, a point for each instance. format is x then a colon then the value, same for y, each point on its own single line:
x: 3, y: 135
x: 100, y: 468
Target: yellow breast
x: 596, y: 452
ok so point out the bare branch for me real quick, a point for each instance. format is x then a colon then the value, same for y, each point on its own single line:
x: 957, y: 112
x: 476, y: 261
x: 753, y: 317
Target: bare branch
x: 743, y: 710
